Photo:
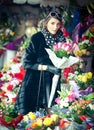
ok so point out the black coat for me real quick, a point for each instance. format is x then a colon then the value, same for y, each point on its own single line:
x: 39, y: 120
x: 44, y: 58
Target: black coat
x: 35, y: 82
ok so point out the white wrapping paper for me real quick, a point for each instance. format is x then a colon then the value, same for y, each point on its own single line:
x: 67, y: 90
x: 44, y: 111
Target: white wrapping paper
x: 61, y: 63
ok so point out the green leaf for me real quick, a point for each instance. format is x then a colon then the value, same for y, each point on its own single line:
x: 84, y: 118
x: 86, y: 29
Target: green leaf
x: 7, y: 119
x: 90, y: 96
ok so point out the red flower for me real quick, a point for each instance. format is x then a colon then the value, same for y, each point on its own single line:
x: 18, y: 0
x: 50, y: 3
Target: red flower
x: 3, y: 94
x: 88, y: 127
x: 16, y: 59
x: 83, y: 117
x: 14, y: 99
x: 28, y: 128
x: 66, y: 34
x: 63, y: 122
x: 13, y: 122
x: 18, y: 119
x: 68, y: 70
x: 11, y: 74
x: 84, y: 38
x: 1, y: 75
x: 21, y: 74
x: 92, y: 39
x: 9, y: 88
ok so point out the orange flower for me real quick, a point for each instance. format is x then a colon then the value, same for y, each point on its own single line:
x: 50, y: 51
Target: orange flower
x: 33, y: 125
x: 78, y: 111
x: 88, y: 101
x: 83, y: 107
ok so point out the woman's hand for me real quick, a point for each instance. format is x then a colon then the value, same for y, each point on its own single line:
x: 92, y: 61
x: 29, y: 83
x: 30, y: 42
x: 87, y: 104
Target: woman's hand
x: 49, y: 68
x: 42, y: 67
x: 53, y: 70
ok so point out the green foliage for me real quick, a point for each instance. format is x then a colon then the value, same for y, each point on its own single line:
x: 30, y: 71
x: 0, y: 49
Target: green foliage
x: 61, y: 53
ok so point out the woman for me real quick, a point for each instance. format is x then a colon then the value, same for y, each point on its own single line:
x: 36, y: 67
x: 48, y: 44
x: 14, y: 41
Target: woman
x: 36, y: 86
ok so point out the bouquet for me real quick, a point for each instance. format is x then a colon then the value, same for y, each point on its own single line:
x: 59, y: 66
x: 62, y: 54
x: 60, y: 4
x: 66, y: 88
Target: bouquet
x: 74, y: 106
x: 6, y: 36
x: 60, y: 59
x: 10, y: 118
x: 62, y: 49
x: 86, y: 43
x: 60, y: 55
x: 37, y: 121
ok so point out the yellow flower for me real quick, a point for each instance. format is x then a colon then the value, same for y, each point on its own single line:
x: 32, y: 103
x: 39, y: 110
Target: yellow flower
x: 79, y: 77
x: 39, y: 122
x: 32, y: 115
x: 84, y: 78
x: 12, y: 33
x: 77, y: 53
x: 25, y: 117
x: 3, y: 37
x: 89, y: 75
x: 55, y: 118
x: 48, y: 121
x: 5, y: 67
x: 83, y: 51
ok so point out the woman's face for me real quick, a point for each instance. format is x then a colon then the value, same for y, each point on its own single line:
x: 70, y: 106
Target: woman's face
x: 53, y: 25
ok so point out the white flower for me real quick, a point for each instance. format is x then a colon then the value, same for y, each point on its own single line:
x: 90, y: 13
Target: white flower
x: 64, y: 103
x: 91, y: 106
x: 6, y: 76
x: 8, y: 31
x: 84, y: 42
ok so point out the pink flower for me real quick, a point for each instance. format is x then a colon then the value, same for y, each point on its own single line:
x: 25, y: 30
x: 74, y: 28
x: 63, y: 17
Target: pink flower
x: 71, y: 97
x: 57, y: 100
x: 62, y: 45
x: 57, y: 46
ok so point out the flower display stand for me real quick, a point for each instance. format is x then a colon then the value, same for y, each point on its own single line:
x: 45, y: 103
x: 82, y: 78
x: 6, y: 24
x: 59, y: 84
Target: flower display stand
x: 1, y: 61
x: 9, y: 54
x: 11, y: 49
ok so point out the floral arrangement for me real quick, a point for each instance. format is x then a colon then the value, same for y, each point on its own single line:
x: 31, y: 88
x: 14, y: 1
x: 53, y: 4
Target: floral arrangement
x: 86, y: 43
x: 74, y: 106
x: 10, y: 118
x: 10, y: 82
x: 9, y: 87
x: 83, y: 79
x: 38, y: 121
x: 6, y: 36
x: 62, y: 49
x: 7, y: 30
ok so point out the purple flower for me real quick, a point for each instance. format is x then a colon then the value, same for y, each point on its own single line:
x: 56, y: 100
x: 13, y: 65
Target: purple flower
x: 87, y: 91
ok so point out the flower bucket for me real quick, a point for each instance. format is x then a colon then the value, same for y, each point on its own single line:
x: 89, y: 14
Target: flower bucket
x: 3, y: 128
x: 9, y: 54
x: 76, y: 126
x: 1, y: 61
x: 87, y: 65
